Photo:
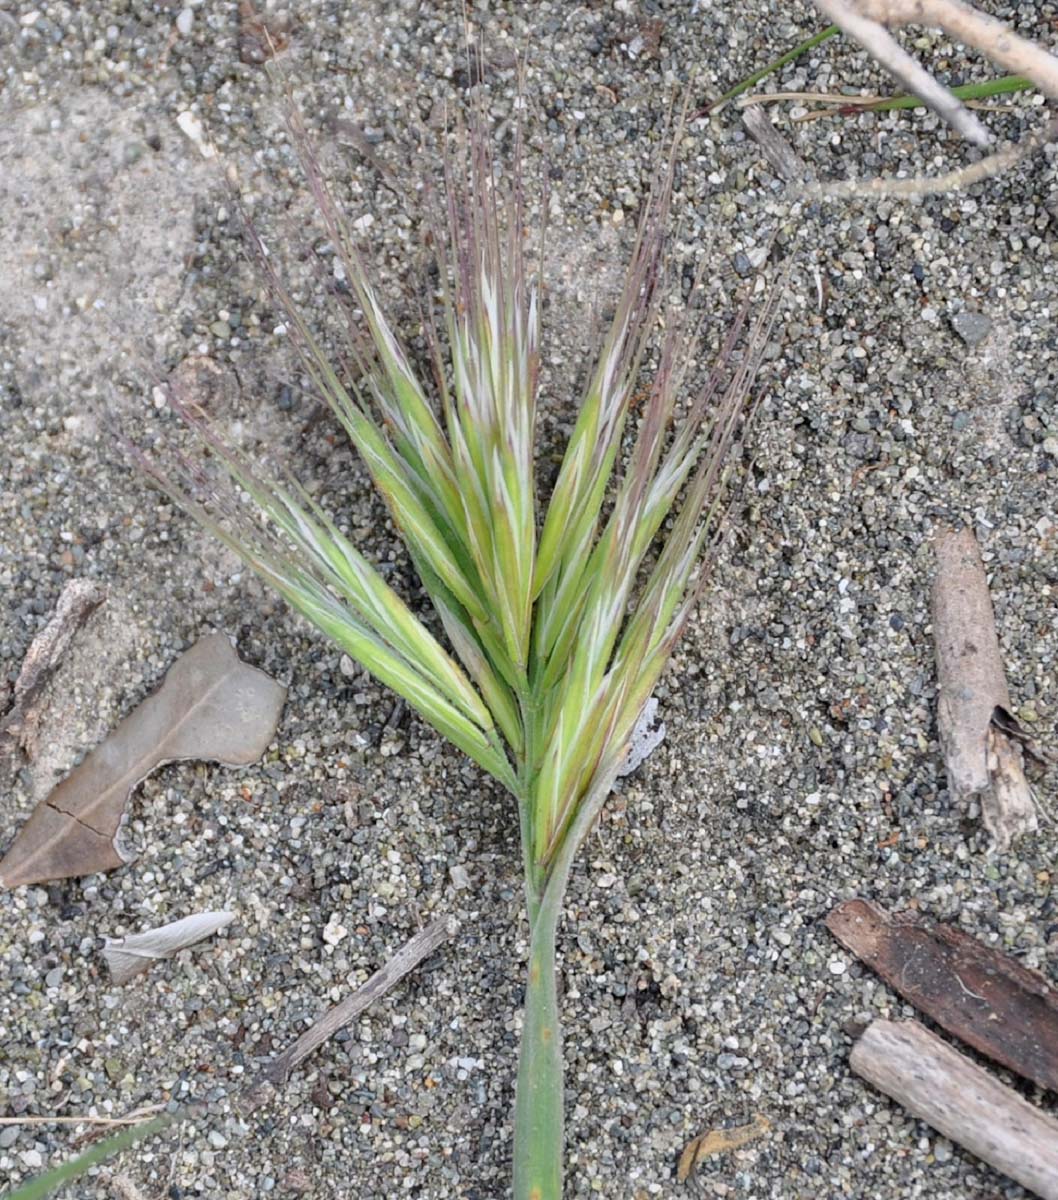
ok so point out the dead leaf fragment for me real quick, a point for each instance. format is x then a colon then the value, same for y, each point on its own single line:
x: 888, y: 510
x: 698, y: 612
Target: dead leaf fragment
x: 719, y: 1141
x: 130, y: 956
x: 210, y: 706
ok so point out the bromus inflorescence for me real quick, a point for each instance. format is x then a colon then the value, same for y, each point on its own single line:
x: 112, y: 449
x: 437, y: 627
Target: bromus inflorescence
x: 560, y: 612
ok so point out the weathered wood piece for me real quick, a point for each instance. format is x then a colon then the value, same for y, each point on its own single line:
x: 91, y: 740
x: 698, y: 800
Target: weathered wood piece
x: 982, y: 996
x: 982, y: 743
x: 960, y: 1100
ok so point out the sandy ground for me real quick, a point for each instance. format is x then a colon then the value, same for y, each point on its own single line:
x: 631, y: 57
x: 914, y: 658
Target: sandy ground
x: 801, y: 765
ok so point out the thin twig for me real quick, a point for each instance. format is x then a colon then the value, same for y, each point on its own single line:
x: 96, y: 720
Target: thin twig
x: 965, y: 24
x: 993, y: 164
x: 816, y: 97
x: 883, y: 47
x: 424, y: 943
x: 132, y: 1118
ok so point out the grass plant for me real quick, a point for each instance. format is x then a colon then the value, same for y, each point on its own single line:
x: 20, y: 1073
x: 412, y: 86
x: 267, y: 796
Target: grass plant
x: 559, y: 610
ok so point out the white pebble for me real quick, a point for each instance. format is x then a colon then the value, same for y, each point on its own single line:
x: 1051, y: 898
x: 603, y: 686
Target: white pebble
x: 837, y: 967
x: 334, y: 931
x: 185, y: 19
x: 191, y: 126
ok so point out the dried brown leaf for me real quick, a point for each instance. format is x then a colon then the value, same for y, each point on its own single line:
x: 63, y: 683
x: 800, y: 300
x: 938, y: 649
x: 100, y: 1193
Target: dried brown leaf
x: 211, y: 706
x: 720, y: 1141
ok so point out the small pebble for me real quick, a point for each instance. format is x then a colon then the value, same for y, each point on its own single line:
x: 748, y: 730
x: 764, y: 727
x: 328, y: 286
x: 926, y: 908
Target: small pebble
x: 972, y: 327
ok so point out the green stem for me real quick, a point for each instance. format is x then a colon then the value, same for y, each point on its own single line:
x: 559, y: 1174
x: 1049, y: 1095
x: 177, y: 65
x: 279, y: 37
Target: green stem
x: 538, y: 1099
x: 966, y: 91
x: 777, y: 65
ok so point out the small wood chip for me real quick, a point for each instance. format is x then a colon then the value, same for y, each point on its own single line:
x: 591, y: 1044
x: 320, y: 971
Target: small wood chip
x: 783, y: 158
x: 18, y: 730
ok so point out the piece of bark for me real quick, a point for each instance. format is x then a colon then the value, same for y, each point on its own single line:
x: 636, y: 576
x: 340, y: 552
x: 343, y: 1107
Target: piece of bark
x: 130, y: 956
x: 982, y: 996
x: 982, y: 743
x: 277, y: 1072
x: 784, y: 160
x: 18, y: 730
x: 960, y: 1100
x: 211, y: 705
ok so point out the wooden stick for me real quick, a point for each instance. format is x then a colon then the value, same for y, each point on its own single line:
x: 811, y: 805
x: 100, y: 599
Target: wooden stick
x: 981, y: 741
x: 424, y: 943
x: 965, y: 24
x: 932, y: 185
x: 960, y: 1100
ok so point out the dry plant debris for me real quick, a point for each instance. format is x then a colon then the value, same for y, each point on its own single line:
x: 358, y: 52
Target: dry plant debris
x: 211, y: 706
x: 974, y: 991
x: 340, y: 1015
x: 983, y: 745
x: 130, y: 956
x: 782, y: 157
x: 869, y: 22
x: 19, y: 728
x: 719, y: 1141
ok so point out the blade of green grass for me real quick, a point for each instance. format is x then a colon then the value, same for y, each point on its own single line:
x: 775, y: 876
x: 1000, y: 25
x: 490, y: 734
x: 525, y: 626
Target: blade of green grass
x: 58, y: 1177
x: 1005, y: 85
x: 776, y: 65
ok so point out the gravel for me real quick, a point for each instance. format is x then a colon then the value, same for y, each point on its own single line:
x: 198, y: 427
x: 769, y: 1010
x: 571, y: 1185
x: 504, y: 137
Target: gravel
x: 912, y: 380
